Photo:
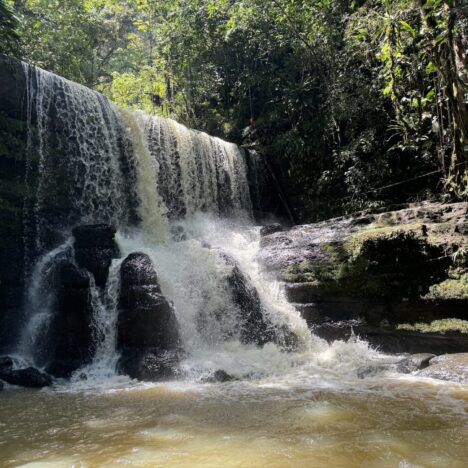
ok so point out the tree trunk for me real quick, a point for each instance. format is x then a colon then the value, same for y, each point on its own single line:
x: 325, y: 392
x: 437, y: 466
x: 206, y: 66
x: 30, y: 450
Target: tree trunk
x: 452, y: 61
x: 458, y: 82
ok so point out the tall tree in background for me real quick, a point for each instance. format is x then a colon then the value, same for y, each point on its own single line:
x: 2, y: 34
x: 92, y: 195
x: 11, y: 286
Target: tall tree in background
x: 452, y: 60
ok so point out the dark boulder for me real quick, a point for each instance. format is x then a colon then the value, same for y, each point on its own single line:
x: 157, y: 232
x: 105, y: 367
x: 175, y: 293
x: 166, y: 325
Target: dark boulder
x: 149, y: 364
x: 6, y: 363
x: 150, y: 325
x: 95, y: 248
x: 67, y: 275
x: 29, y: 377
x: 1, y: 385
x: 70, y: 336
x: 253, y: 326
x: 220, y: 376
x: 137, y: 270
x: 148, y: 332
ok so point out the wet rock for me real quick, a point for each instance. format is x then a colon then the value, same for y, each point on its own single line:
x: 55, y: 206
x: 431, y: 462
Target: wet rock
x: 220, y: 376
x: 95, y: 248
x: 253, y: 326
x: 397, y: 266
x: 310, y: 312
x: 303, y: 293
x: 94, y: 235
x: 149, y: 365
x: 147, y: 329
x: 29, y: 377
x: 271, y: 229
x: 453, y: 367
x: 137, y: 270
x: 391, y: 340
x: 70, y: 338
x: 178, y: 233
x: 333, y: 310
x: 6, y: 363
x: 415, y: 362
x: 338, y: 330
x: 152, y: 324
x: 96, y: 261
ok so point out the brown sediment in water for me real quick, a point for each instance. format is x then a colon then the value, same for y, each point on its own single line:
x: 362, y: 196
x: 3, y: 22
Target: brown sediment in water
x: 399, y: 422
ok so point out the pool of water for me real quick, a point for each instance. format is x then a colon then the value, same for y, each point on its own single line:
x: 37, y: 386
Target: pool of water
x: 294, y: 420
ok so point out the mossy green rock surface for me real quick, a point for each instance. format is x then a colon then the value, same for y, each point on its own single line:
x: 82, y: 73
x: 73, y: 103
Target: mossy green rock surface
x: 403, y: 267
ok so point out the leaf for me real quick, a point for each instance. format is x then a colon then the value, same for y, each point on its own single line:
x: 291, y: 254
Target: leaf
x: 430, y: 68
x: 407, y: 27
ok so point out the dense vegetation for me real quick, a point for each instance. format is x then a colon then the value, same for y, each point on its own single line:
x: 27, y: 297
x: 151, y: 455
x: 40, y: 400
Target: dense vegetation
x: 342, y: 96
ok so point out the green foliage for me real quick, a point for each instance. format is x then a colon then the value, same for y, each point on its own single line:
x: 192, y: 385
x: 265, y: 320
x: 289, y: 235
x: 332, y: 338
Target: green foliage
x: 343, y: 97
x: 9, y: 36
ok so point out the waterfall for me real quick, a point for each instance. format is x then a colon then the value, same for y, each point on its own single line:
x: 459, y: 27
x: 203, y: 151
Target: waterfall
x: 197, y: 172
x: 193, y: 273
x: 105, y: 307
x: 39, y: 305
x: 179, y: 195
x: 151, y: 208
x: 76, y: 158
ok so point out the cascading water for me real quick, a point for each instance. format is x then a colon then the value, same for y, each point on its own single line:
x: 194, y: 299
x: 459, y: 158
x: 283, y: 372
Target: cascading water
x: 177, y: 194
x: 105, y: 307
x: 40, y: 298
x: 76, y: 159
x: 196, y: 172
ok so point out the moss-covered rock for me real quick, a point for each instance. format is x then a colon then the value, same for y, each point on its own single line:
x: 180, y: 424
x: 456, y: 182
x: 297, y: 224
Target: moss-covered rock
x: 454, y: 287
x: 403, y: 267
x: 437, y: 326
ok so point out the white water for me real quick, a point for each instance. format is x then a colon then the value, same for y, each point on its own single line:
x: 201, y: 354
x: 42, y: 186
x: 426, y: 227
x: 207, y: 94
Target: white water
x: 39, y: 303
x: 105, y: 308
x: 197, y: 172
x: 193, y: 275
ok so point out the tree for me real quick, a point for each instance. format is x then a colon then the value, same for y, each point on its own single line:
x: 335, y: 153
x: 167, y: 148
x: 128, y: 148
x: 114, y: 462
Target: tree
x: 9, y: 36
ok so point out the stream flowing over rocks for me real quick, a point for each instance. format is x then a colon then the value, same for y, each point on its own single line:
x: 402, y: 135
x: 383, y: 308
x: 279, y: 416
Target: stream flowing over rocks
x: 144, y: 291
x: 131, y: 248
x: 96, y: 199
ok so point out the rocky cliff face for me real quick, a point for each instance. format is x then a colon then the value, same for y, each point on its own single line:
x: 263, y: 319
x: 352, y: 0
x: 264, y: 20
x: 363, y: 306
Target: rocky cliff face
x: 13, y: 137
x: 381, y: 275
